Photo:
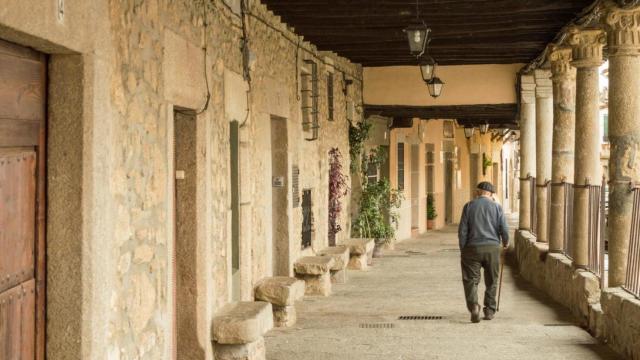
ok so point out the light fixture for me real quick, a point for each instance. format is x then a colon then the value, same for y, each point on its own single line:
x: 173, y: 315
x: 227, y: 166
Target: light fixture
x: 435, y: 86
x: 427, y: 68
x: 468, y: 132
x: 484, y: 128
x: 417, y: 35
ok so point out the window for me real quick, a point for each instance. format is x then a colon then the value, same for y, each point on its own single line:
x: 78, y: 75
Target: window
x: 330, y: 96
x: 447, y: 129
x: 605, y: 128
x: 372, y: 173
x: 400, y: 166
x: 429, y: 156
x: 307, y: 218
x: 309, y: 98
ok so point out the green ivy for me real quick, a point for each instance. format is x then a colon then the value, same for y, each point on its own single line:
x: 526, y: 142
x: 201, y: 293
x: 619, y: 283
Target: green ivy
x: 358, y: 134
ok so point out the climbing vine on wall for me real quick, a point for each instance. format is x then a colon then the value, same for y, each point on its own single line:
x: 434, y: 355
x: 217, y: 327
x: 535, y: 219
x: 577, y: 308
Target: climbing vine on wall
x: 357, y: 135
x: 337, y: 190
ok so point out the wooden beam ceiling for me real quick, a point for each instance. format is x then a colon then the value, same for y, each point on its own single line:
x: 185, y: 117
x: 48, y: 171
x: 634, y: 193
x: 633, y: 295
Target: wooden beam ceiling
x: 369, y: 32
x: 496, y: 115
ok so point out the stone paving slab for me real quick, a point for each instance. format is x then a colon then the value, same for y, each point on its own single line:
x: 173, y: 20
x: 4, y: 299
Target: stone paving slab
x: 422, y: 277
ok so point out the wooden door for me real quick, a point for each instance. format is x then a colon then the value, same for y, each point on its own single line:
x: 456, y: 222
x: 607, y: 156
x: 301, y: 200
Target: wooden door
x: 22, y: 207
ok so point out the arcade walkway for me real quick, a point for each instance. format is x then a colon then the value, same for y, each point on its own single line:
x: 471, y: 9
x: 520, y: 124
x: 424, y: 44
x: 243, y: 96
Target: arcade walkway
x: 422, y: 277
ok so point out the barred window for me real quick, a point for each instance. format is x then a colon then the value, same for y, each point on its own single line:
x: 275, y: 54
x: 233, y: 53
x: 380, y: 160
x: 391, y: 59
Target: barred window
x: 309, y: 97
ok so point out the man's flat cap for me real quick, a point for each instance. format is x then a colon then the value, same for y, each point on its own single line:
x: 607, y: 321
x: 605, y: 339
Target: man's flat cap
x: 486, y: 186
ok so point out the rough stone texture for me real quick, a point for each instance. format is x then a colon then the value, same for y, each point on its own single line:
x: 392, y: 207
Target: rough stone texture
x: 339, y: 276
x: 554, y: 274
x: 622, y: 27
x: 360, y: 246
x: 280, y: 290
x: 317, y: 284
x: 562, y: 160
x: 314, y: 265
x: 596, y: 321
x: 544, y: 136
x: 242, y: 322
x: 251, y: 351
x: 621, y: 319
x: 340, y: 255
x: 358, y: 262
x: 284, y: 316
x: 527, y: 147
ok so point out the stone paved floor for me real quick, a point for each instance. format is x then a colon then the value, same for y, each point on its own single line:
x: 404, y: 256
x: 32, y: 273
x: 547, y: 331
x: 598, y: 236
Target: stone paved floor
x: 422, y: 277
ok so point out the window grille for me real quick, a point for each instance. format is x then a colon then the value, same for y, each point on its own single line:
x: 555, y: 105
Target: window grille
x: 400, y: 166
x: 295, y: 185
x: 307, y: 218
x: 309, y: 98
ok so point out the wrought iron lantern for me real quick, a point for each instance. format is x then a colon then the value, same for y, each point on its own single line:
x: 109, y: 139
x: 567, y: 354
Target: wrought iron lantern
x: 417, y: 35
x: 427, y: 68
x: 484, y: 128
x: 468, y: 132
x: 435, y: 86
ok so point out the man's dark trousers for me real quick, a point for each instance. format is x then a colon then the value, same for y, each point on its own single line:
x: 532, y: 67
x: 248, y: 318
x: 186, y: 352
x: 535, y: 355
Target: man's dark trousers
x: 473, y: 258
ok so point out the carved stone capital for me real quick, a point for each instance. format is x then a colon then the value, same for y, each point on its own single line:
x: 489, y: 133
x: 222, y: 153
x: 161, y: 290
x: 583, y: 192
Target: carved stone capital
x: 544, y: 86
x: 622, y: 20
x: 528, y: 89
x: 587, y: 47
x: 561, y: 68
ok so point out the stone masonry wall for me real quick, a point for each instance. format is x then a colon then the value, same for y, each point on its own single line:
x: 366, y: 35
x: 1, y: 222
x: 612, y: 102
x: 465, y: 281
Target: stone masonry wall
x: 138, y: 61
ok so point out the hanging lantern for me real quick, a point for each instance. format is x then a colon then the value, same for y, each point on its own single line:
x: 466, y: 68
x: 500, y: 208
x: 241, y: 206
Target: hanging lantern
x: 435, y: 86
x: 417, y: 35
x: 484, y: 128
x: 427, y: 68
x: 468, y: 132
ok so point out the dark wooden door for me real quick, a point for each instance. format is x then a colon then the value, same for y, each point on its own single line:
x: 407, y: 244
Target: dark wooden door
x: 22, y: 207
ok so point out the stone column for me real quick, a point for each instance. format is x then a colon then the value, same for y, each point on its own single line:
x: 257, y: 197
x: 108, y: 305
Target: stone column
x: 587, y: 57
x: 623, y: 28
x: 544, y: 136
x: 527, y: 146
x: 564, y: 117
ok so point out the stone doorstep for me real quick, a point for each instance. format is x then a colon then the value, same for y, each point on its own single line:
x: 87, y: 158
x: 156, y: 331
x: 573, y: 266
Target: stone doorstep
x: 360, y: 246
x: 242, y: 322
x: 313, y: 265
x: 339, y: 253
x: 280, y: 290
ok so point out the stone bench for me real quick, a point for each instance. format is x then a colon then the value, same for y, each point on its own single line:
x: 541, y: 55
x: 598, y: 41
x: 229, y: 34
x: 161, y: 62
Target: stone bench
x: 314, y: 270
x: 340, y: 255
x: 282, y: 292
x: 238, y: 330
x: 361, y: 253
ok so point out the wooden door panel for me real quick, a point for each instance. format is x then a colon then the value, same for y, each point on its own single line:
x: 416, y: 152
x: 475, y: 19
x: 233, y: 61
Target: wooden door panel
x: 21, y: 88
x: 17, y: 216
x: 17, y: 322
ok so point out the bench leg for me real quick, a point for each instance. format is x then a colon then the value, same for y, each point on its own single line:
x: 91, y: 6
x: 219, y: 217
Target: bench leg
x: 317, y: 284
x: 358, y: 262
x: 251, y: 351
x: 284, y: 316
x: 339, y: 276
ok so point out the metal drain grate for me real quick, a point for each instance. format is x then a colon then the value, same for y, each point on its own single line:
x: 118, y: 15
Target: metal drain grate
x: 378, y: 326
x: 420, y: 317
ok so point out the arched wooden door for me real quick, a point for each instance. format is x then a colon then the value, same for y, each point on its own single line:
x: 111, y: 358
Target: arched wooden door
x: 22, y: 206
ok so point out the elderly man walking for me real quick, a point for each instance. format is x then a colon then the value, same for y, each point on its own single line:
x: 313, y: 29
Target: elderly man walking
x: 482, y: 230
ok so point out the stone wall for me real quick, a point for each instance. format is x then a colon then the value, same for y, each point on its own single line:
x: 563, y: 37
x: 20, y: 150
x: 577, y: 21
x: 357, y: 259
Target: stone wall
x: 612, y: 315
x: 132, y: 63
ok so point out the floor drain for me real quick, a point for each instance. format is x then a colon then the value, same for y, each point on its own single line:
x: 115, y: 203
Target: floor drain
x: 420, y: 317
x: 377, y: 326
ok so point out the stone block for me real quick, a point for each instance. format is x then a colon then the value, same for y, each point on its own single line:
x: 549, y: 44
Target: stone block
x: 319, y: 285
x: 339, y: 276
x: 360, y: 246
x: 596, y: 321
x: 358, y: 262
x: 313, y: 265
x: 284, y: 316
x: 242, y: 322
x: 252, y: 351
x: 340, y: 255
x: 280, y: 290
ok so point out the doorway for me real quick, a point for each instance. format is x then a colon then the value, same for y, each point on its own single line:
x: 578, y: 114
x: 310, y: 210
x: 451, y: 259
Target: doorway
x: 415, y: 189
x: 22, y: 209
x: 449, y: 179
x: 234, y: 167
x: 473, y: 174
x: 186, y: 245
x: 279, y: 204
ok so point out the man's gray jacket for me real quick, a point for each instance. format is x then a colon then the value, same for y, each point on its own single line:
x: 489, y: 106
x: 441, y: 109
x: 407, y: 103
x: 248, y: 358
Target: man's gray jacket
x: 482, y: 223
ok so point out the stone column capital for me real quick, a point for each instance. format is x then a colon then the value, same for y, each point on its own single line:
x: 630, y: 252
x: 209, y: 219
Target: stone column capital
x: 561, y: 68
x: 544, y: 86
x: 587, y: 47
x: 528, y: 89
x: 622, y: 21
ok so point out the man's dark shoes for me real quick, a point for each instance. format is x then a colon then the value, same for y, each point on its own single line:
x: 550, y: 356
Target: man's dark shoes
x: 489, y: 314
x: 475, y: 314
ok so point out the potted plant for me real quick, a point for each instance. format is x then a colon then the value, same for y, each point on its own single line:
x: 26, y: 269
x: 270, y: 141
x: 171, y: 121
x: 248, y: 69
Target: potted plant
x: 431, y: 212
